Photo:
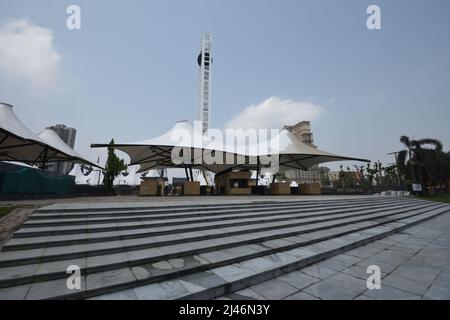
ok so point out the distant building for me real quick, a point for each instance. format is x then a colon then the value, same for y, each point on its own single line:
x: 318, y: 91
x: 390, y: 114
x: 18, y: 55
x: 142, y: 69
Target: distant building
x: 67, y: 134
x: 302, y: 131
x: 316, y: 174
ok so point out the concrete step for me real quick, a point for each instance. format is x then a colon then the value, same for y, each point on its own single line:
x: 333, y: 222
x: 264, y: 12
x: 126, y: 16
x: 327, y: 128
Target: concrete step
x: 37, y: 220
x: 120, y: 226
x: 214, y: 273
x: 191, y: 233
x: 41, y: 238
x: 164, y: 208
x: 186, y: 210
x: 108, y: 263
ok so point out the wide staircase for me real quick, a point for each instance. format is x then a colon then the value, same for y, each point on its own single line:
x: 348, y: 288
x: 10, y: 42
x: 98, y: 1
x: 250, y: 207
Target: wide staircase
x: 198, y: 251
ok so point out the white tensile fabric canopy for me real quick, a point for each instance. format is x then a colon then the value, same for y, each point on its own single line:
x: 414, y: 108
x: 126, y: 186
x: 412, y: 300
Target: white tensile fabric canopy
x: 285, y: 148
x: 18, y: 143
x: 294, y: 154
x: 156, y: 153
x: 52, y: 139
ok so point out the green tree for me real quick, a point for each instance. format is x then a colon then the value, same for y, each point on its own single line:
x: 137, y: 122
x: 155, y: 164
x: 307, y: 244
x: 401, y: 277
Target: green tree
x: 113, y: 167
x: 423, y: 161
x: 371, y: 172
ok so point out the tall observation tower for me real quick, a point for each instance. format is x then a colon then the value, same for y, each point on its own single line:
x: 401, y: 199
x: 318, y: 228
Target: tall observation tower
x: 205, y: 61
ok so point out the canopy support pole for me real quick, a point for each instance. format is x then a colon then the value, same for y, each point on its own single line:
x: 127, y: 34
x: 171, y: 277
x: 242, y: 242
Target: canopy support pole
x: 273, y: 178
x: 44, y: 159
x: 257, y: 171
x: 187, y: 175
x: 190, y: 171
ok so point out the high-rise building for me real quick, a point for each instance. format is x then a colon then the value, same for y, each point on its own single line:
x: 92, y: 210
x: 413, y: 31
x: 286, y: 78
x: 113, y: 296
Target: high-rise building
x: 67, y: 134
x: 302, y: 131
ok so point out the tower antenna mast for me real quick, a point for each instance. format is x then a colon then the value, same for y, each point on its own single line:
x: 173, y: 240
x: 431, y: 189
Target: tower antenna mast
x: 204, y: 60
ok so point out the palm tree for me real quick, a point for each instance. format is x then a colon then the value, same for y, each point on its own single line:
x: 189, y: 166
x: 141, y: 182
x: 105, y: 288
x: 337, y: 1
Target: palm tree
x: 422, y: 162
x: 406, y: 167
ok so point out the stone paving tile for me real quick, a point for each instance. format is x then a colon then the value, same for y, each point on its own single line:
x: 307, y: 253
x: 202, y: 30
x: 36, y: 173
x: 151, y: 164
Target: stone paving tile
x: 434, y: 261
x: 274, y: 289
x: 379, y: 246
x: 301, y: 296
x: 259, y: 264
x: 14, y: 293
x: 204, y: 279
x: 386, y: 268
x: 121, y: 295
x: 108, y: 278
x: 277, y: 243
x: 215, y: 256
x: 348, y: 259
x: 386, y: 257
x: 144, y: 253
x: 9, y: 273
x: 79, y: 248
x: 53, y: 288
x: 363, y: 297
x: 415, y: 275
x: 401, y: 251
x: 335, y: 264
x: 250, y: 294
x: 363, y: 252
x: 398, y: 237
x: 328, y: 291
x: 22, y: 254
x: 444, y: 276
x: 106, y: 259
x: 232, y: 273
x: 244, y: 250
x: 389, y: 293
x: 421, y: 266
x: 161, y: 291
x: 357, y: 272
x: 346, y: 281
x: 298, y: 279
x: 405, y: 284
x: 103, y: 245
x: 438, y: 291
x: 318, y: 271
x: 60, y: 266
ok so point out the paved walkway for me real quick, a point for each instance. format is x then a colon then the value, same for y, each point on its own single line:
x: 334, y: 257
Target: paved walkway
x: 415, y: 264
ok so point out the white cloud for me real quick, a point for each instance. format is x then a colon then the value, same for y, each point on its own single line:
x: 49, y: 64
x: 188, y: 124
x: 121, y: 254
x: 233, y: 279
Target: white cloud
x: 274, y: 113
x: 28, y: 56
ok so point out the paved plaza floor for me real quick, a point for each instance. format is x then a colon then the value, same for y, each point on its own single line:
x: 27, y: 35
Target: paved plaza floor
x: 414, y: 264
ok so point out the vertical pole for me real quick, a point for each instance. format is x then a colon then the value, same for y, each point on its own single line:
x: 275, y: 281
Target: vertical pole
x: 257, y: 171
x: 396, y: 169
x: 192, y: 175
x: 44, y: 158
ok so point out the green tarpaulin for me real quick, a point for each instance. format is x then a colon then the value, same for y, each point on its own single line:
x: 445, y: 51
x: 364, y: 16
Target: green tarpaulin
x: 31, y: 181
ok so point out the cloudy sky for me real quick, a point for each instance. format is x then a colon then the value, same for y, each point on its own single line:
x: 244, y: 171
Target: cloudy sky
x: 130, y: 73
